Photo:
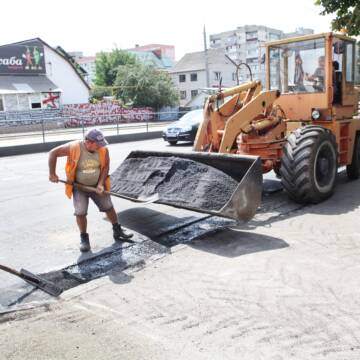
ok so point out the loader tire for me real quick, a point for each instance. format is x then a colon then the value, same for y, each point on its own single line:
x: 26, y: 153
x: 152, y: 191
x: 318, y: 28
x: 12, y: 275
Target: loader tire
x: 353, y: 169
x: 309, y: 164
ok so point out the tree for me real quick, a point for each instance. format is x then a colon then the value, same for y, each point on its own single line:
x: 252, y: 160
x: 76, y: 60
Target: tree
x: 144, y: 85
x: 98, y: 92
x: 107, y: 64
x: 347, y: 14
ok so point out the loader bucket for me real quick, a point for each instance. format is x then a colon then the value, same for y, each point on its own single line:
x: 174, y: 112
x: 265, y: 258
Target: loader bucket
x: 219, y: 184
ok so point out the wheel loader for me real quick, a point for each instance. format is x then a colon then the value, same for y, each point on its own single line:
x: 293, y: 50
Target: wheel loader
x: 303, y: 126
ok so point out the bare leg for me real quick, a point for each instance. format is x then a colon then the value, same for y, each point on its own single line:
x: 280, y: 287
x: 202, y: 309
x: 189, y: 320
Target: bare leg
x: 112, y: 216
x: 81, y: 221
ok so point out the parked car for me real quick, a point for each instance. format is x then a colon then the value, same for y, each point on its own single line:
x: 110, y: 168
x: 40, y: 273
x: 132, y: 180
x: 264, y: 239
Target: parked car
x: 184, y: 129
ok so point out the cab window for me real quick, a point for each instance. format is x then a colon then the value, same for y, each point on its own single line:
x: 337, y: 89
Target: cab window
x: 298, y: 67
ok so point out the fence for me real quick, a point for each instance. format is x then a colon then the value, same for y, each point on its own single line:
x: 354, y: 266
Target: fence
x: 71, y: 121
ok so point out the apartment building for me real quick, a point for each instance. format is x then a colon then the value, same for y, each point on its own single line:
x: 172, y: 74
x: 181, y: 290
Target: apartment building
x: 245, y: 44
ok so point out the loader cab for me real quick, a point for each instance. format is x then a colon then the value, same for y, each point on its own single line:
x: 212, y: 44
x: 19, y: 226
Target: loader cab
x: 313, y: 72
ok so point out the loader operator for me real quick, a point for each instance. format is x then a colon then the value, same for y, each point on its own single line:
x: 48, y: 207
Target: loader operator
x: 319, y: 75
x: 88, y: 164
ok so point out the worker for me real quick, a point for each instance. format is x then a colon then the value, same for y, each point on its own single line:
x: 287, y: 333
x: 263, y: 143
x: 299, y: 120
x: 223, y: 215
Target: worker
x: 299, y: 73
x: 336, y: 83
x: 319, y: 75
x: 88, y: 164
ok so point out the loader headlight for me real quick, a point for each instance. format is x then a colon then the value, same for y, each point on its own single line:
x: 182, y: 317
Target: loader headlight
x: 315, y: 114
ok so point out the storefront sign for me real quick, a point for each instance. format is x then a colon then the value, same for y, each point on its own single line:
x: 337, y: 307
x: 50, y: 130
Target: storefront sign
x: 27, y: 58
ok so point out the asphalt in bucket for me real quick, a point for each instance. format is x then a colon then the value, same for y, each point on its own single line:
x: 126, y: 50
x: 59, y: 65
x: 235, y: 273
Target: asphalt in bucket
x: 179, y: 182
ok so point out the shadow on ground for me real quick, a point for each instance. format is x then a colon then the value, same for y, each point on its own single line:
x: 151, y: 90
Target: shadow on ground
x: 231, y: 243
x: 153, y: 223
x: 276, y: 205
x: 192, y: 231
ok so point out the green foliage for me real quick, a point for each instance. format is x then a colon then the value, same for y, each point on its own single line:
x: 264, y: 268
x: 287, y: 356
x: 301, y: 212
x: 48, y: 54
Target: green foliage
x: 118, y: 73
x: 144, y: 85
x: 98, y: 92
x: 107, y: 64
x: 347, y: 14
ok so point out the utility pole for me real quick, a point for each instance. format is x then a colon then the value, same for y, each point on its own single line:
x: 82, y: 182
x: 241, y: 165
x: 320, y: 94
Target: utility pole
x: 206, y: 60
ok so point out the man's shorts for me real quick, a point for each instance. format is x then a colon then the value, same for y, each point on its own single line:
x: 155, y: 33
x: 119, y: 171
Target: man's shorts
x: 81, y: 201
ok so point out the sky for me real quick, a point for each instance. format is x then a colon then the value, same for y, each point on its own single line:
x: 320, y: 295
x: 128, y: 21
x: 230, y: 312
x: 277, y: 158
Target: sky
x: 92, y: 26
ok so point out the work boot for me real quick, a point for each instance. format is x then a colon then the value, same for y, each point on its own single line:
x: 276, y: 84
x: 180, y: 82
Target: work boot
x: 120, y: 235
x: 84, y: 242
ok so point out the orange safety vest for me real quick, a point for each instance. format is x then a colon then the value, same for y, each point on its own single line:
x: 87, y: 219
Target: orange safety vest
x: 72, y: 162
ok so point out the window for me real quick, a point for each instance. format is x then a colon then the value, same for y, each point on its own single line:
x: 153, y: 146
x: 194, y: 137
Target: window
x: 23, y: 102
x: 1, y: 104
x: 251, y: 35
x: 252, y: 53
x: 194, y: 93
x: 217, y: 75
x: 183, y: 94
x: 298, y: 66
x: 252, y: 44
x: 234, y: 78
x: 35, y: 101
x: 36, y: 105
x: 193, y: 77
x: 273, y: 36
x: 182, y: 78
x: 11, y: 102
x: 349, y: 62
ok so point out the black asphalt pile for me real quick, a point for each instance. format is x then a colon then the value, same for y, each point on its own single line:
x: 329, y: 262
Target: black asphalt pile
x: 179, y: 182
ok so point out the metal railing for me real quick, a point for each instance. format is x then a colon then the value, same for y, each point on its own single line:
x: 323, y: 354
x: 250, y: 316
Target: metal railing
x: 26, y: 130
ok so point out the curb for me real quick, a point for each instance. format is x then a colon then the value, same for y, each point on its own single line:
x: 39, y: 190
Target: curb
x: 44, y: 147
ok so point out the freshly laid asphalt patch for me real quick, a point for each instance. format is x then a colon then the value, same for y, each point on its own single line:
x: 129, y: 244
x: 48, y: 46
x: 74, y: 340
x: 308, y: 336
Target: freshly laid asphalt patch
x: 178, y: 181
x: 117, y: 258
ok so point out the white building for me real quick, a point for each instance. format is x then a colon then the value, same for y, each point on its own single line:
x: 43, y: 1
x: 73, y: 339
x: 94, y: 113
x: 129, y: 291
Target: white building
x: 33, y: 75
x: 190, y: 75
x: 245, y: 44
